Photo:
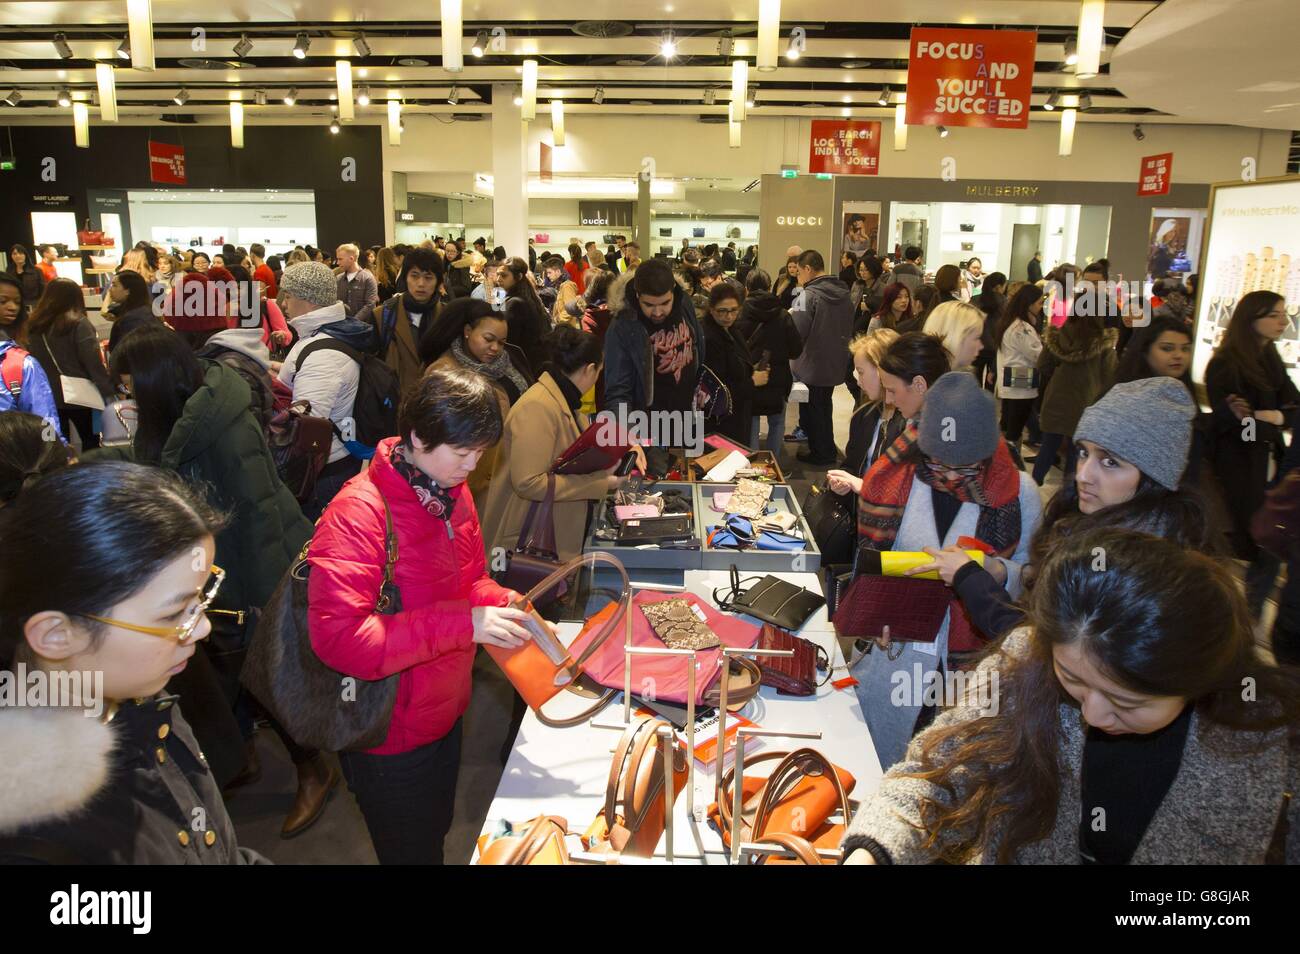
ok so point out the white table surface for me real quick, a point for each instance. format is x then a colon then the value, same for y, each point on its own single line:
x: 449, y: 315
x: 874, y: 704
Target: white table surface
x: 564, y: 771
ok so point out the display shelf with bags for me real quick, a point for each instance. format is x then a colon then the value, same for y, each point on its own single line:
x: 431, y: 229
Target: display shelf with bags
x: 603, y: 535
x: 774, y: 548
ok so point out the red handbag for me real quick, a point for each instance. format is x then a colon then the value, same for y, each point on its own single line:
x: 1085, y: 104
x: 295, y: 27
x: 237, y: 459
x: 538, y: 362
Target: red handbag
x: 912, y: 609
x: 790, y: 675
x: 91, y: 237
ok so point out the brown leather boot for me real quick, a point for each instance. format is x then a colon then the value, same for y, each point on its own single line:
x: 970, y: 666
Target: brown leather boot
x: 250, y: 773
x: 316, y: 779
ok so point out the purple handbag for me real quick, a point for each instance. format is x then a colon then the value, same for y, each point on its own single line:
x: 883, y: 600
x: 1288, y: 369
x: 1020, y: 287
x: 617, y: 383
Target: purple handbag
x: 534, y: 557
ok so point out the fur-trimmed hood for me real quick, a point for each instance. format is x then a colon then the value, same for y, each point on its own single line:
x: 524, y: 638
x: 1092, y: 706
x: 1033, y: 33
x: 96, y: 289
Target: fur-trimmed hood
x: 1064, y: 344
x: 52, y: 763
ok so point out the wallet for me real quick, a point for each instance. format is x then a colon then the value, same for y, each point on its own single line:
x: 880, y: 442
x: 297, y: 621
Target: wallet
x: 674, y: 621
x: 643, y: 530
x: 770, y: 599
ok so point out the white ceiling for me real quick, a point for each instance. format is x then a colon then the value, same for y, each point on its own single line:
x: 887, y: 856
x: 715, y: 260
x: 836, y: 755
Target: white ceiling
x: 1222, y: 61
x: 572, y: 67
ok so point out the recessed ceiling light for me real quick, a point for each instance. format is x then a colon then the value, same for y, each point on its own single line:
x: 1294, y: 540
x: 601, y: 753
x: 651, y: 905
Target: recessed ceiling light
x: 300, y: 46
x: 244, y: 46
x: 412, y: 62
x: 668, y: 47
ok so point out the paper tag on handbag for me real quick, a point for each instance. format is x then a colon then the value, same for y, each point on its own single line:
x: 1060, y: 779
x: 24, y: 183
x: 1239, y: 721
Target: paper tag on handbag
x: 699, y: 612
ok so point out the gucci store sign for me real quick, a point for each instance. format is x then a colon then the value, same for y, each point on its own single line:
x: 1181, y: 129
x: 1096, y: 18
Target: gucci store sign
x: 804, y: 221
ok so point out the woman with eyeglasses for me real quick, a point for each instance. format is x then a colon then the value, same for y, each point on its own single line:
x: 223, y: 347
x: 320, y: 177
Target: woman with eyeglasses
x: 731, y: 361
x: 104, y: 581
x: 194, y: 419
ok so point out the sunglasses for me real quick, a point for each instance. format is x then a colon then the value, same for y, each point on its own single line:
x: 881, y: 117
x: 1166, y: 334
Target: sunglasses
x: 183, y: 633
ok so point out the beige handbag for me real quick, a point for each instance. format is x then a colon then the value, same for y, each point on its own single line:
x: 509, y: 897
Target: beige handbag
x: 80, y: 392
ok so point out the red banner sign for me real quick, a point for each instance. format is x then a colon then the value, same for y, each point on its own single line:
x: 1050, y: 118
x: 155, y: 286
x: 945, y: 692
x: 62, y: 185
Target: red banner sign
x: 845, y: 147
x: 970, y: 77
x: 1154, y: 177
x: 166, y: 163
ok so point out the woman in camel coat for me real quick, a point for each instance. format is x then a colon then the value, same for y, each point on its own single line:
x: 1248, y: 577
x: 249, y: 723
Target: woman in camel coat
x: 539, y: 428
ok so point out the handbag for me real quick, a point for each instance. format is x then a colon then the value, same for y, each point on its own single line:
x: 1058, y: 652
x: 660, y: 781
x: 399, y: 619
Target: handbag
x: 284, y: 674
x: 537, y: 842
x: 89, y: 236
x: 1274, y: 526
x: 770, y: 599
x: 1020, y: 378
x: 300, y: 445
x: 798, y: 798
x: 791, y: 675
x: 913, y: 609
x: 543, y: 667
x: 79, y: 392
x: 534, y: 557
x: 832, y: 522
x: 632, y: 819
x: 836, y: 578
x: 697, y: 232
x: 711, y: 395
x: 117, y: 424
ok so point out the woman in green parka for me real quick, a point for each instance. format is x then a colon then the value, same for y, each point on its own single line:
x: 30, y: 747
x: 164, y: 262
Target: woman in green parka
x: 194, y: 419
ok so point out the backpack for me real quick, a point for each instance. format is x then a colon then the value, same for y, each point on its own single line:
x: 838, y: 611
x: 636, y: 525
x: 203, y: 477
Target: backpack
x: 378, y: 394
x: 300, y: 446
x: 11, y: 371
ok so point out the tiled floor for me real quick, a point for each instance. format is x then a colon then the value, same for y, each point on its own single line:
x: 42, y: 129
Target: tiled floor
x: 340, y: 835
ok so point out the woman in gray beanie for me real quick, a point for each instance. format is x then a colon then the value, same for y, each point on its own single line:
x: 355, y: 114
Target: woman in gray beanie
x: 1132, y: 449
x: 949, y: 476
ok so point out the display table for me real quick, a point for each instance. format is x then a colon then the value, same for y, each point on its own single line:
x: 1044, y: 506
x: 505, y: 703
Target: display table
x: 564, y: 771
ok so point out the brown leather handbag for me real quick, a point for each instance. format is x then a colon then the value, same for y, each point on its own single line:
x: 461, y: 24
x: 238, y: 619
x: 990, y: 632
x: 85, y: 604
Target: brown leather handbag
x: 797, y: 798
x: 542, y: 668
x: 538, y: 842
x: 802, y: 851
x: 534, y: 557
x: 791, y: 675
x: 632, y: 821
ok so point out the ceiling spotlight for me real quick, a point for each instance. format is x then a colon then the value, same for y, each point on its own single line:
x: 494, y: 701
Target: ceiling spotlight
x: 792, y: 51
x: 668, y: 48
x: 724, y: 45
x: 61, y: 45
x: 453, y: 98
x: 1053, y: 100
x: 14, y: 98
x: 182, y: 96
x: 363, y: 97
x: 710, y: 95
x: 65, y: 97
x: 480, y: 43
x: 519, y: 97
x: 883, y: 98
x: 361, y: 46
x: 1085, y: 101
x: 291, y: 97
x: 259, y: 97
x: 1071, y: 52
x: 749, y: 102
x: 244, y: 46
x: 334, y: 126
x: 943, y: 132
x: 124, y: 49
x: 300, y: 46
x: 600, y: 95
x: 1138, y: 134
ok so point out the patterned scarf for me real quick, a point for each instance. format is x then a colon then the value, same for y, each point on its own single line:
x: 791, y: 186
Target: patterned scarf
x: 993, y: 485
x: 500, y: 369
x: 436, y: 500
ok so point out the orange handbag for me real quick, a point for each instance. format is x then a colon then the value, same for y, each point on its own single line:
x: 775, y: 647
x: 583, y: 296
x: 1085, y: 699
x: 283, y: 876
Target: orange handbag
x: 633, y: 818
x: 802, y: 792
x: 538, y: 842
x: 542, y: 668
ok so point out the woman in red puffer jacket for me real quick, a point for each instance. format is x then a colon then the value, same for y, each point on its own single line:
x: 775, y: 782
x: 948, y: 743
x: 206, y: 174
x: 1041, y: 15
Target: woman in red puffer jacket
x: 406, y: 787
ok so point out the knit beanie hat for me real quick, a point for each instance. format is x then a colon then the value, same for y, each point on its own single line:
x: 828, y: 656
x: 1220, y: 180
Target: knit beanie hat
x: 1147, y: 423
x: 958, y: 423
x: 311, y: 281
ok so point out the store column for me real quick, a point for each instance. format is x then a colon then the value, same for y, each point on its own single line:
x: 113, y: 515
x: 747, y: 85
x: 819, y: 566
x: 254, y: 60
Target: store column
x: 509, y: 173
x: 643, y: 214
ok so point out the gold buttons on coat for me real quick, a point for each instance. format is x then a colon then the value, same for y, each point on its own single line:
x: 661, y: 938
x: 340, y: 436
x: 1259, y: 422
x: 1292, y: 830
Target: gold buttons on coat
x: 162, y: 755
x: 209, y: 838
x: 163, y: 730
x: 184, y: 838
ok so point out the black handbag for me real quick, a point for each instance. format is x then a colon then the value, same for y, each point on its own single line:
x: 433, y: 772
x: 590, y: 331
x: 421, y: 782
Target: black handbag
x: 318, y: 706
x: 770, y: 599
x: 534, y: 557
x: 832, y: 521
x: 836, y: 578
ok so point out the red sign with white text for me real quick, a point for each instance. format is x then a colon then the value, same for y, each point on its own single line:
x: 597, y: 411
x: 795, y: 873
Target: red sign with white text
x: 166, y: 163
x: 970, y: 77
x: 1153, y: 179
x: 845, y: 147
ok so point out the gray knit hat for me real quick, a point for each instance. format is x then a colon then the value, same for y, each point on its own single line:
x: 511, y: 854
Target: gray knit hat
x: 1147, y: 423
x: 958, y: 426
x: 311, y: 281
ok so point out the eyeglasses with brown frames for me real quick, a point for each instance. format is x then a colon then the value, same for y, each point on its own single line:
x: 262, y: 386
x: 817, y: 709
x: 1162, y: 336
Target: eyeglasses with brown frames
x: 183, y: 633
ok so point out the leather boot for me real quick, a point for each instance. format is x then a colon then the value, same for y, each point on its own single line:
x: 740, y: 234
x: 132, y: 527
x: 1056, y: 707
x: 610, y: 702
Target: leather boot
x: 316, y: 779
x: 250, y: 773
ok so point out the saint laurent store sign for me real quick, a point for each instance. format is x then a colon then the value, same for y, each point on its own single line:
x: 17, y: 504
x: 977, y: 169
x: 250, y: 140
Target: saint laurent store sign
x: 1002, y: 191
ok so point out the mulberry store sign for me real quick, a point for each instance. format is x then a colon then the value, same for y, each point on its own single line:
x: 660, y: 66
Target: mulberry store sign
x: 1002, y: 191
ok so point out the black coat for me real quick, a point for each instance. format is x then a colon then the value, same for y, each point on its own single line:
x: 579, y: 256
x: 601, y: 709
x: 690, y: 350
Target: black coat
x: 729, y: 359
x: 32, y: 281
x: 766, y: 326
x: 134, y: 791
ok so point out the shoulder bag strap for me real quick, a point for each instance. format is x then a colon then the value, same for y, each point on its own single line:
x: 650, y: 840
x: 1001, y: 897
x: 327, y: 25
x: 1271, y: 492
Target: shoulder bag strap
x: 801, y: 848
x: 617, y: 769
x: 50, y: 352
x: 390, y: 559
x: 538, y: 532
x: 787, y: 774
